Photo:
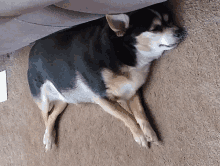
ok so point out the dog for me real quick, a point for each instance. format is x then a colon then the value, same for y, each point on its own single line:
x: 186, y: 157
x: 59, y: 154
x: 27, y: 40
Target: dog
x: 103, y: 62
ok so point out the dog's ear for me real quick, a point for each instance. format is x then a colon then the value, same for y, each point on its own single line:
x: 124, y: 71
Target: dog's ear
x: 119, y: 23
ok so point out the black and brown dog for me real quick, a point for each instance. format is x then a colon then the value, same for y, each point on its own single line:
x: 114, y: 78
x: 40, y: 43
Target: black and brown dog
x: 102, y: 62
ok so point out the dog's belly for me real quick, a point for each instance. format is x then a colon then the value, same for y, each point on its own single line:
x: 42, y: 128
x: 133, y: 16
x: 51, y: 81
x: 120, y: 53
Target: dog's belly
x: 80, y: 94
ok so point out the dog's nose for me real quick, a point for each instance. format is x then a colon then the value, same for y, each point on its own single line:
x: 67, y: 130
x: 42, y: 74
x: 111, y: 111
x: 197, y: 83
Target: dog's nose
x: 180, y: 33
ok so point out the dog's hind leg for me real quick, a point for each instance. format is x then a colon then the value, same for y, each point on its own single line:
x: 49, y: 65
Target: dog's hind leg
x: 137, y: 109
x: 50, y: 111
x: 58, y: 108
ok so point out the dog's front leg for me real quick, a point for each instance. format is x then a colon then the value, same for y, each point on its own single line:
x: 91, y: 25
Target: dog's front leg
x: 114, y: 108
x: 137, y: 109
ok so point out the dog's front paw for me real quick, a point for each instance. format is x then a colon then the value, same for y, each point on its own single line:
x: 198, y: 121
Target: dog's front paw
x: 149, y: 133
x: 48, y: 140
x: 139, y: 137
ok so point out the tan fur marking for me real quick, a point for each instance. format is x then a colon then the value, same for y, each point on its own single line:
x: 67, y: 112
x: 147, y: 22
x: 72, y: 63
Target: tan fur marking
x: 49, y: 123
x: 135, y: 105
x: 155, y: 22
x: 58, y: 108
x: 119, y: 112
x: 124, y: 85
x: 143, y: 43
x: 166, y: 17
x: 114, y: 84
x: 49, y: 119
x: 137, y: 109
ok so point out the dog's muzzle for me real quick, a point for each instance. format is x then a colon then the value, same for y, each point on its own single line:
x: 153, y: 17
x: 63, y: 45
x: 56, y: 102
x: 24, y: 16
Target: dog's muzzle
x: 180, y: 34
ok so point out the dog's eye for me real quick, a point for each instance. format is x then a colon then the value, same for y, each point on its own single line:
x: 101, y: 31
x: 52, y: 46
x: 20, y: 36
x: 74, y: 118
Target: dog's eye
x: 157, y: 28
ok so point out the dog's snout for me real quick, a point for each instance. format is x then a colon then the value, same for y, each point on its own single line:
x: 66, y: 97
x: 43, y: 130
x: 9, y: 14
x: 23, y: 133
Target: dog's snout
x: 180, y: 33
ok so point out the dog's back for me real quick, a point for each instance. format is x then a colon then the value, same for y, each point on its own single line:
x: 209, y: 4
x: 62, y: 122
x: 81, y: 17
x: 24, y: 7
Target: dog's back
x: 72, y: 60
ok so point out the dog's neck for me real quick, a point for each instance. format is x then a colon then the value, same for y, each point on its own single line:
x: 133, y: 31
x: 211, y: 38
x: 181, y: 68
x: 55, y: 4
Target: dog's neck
x: 146, y: 57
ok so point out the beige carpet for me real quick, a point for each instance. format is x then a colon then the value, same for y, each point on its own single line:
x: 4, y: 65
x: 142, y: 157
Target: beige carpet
x: 183, y: 95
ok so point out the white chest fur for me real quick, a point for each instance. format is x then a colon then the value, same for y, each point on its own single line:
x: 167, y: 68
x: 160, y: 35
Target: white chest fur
x: 125, y: 85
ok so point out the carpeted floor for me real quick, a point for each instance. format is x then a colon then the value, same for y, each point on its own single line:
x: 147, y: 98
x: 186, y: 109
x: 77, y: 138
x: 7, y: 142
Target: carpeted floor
x: 183, y: 94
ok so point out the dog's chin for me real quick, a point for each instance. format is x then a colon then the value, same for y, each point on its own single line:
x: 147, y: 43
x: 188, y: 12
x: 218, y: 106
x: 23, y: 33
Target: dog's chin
x: 167, y: 48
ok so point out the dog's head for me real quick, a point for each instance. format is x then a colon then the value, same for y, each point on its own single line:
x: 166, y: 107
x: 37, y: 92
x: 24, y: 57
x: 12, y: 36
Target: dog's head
x: 152, y: 27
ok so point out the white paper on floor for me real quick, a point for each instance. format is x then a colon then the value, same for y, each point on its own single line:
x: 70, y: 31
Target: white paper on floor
x: 3, y: 86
